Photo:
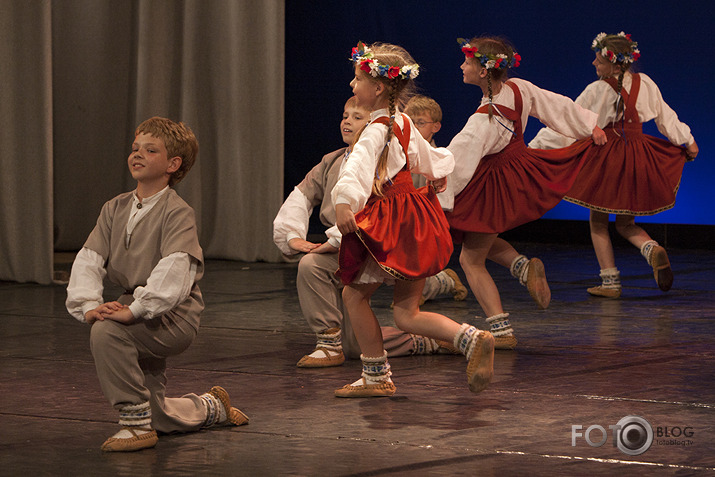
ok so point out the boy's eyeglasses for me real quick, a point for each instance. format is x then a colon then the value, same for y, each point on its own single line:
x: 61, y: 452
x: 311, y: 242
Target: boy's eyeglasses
x: 421, y: 123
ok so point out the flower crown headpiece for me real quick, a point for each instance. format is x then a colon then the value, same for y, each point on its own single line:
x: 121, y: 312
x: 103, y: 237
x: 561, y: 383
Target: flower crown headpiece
x: 598, y: 46
x: 489, y: 61
x: 363, y: 56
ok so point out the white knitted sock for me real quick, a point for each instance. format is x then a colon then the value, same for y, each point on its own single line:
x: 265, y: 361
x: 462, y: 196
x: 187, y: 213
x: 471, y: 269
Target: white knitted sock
x: 374, y: 370
x: 330, y: 340
x: 136, y: 416
x: 610, y: 278
x: 647, y: 250
x: 423, y: 345
x: 520, y: 268
x: 499, y: 325
x: 216, y: 413
x: 439, y: 284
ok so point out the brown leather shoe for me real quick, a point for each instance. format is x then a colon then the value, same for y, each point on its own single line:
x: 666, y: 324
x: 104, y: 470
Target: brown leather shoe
x: 537, y: 285
x: 661, y: 268
x: 384, y: 389
x: 505, y: 342
x: 481, y: 363
x: 131, y: 444
x: 459, y: 292
x: 234, y: 416
x: 605, y: 292
x: 309, y: 361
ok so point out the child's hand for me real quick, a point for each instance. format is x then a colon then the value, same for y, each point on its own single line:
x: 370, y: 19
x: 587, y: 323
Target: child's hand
x: 300, y: 245
x: 102, y: 311
x: 599, y: 137
x: 324, y: 248
x: 123, y: 316
x: 691, y: 152
x: 345, y: 219
x: 439, y: 185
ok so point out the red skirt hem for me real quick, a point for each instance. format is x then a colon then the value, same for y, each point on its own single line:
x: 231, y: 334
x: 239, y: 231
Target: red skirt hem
x: 515, y: 186
x: 404, y: 231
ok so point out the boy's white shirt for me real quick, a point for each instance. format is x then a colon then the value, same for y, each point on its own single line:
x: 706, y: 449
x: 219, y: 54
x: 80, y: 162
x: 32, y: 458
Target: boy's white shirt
x: 293, y: 219
x: 292, y: 222
x: 168, y: 285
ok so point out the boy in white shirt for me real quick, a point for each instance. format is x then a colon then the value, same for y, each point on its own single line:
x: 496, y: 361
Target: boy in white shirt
x: 319, y: 290
x: 145, y: 241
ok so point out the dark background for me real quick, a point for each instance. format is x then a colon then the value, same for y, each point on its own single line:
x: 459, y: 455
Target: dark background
x: 553, y: 38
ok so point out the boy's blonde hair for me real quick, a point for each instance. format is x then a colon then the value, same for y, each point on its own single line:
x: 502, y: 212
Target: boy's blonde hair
x: 179, y: 141
x: 419, y: 104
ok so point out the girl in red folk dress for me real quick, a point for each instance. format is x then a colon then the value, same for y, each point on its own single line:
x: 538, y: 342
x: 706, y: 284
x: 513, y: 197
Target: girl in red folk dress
x: 635, y: 174
x: 498, y: 183
x: 393, y: 233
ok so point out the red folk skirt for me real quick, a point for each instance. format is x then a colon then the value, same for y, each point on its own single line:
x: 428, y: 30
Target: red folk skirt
x: 633, y: 173
x: 404, y: 231
x: 515, y: 186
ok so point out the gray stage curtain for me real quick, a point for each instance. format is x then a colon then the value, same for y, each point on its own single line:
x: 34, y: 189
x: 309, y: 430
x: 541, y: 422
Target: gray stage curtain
x: 102, y: 67
x: 25, y: 141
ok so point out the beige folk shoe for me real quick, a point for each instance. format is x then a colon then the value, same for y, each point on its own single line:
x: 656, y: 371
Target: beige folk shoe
x: 481, y: 363
x: 384, y: 389
x: 459, y: 292
x: 604, y: 291
x: 661, y: 268
x: 505, y: 342
x: 234, y: 416
x: 131, y: 444
x: 537, y: 285
x: 309, y: 361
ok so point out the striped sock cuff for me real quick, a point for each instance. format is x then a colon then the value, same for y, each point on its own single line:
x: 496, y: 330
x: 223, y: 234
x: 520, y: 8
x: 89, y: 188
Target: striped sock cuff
x: 213, y: 409
x: 647, y: 250
x: 464, y: 339
x: 330, y: 339
x: 375, y: 370
x: 423, y: 345
x: 499, y: 325
x: 519, y: 267
x: 135, y: 415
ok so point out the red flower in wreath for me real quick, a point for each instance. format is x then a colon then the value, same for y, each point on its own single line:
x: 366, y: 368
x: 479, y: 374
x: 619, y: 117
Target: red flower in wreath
x: 517, y: 59
x: 469, y: 51
x: 365, y: 66
x: 393, y: 72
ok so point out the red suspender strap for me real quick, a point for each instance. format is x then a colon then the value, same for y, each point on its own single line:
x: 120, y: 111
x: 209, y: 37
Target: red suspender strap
x: 402, y: 135
x: 513, y: 115
x: 631, y: 112
x: 629, y: 99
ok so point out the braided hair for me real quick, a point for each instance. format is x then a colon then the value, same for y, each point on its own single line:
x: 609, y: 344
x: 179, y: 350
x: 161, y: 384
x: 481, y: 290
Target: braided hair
x: 491, y: 45
x: 399, y: 91
x: 621, y: 46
